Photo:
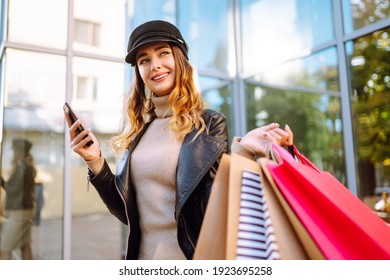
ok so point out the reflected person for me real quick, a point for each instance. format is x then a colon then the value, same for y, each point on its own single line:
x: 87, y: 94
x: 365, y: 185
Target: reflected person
x: 19, y: 205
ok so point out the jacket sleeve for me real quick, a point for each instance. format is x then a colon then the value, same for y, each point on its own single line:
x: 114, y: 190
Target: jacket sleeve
x: 217, y: 127
x: 104, y: 183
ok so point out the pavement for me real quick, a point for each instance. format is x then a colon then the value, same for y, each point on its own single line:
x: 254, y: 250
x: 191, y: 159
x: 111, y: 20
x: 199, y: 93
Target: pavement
x: 93, y: 237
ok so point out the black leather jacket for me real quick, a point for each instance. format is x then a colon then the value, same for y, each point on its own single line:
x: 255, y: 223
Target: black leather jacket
x: 197, y: 165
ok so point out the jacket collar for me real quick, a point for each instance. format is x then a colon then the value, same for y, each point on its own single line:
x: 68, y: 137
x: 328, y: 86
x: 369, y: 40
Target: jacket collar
x: 195, y: 160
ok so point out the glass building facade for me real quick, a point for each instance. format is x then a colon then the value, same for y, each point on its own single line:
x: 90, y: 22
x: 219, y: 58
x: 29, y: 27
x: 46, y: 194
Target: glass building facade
x: 322, y: 67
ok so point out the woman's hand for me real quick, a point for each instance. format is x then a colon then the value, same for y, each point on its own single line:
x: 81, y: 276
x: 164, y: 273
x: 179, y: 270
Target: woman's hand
x: 260, y: 140
x: 78, y: 144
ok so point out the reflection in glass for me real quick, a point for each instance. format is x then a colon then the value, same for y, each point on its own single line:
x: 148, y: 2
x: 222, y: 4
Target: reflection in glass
x: 315, y: 120
x: 98, y: 89
x: 34, y: 91
x: 156, y: 9
x: 369, y: 60
x: 99, y: 29
x: 19, y: 202
x: 2, y: 19
x: 87, y: 33
x: 217, y: 95
x: 29, y: 24
x: 276, y: 31
x: 360, y: 13
x: 206, y: 31
x: 33, y: 79
x: 318, y: 71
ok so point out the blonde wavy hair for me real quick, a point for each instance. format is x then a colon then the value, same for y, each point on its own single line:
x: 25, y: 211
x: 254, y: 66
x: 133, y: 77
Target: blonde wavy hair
x: 185, y: 100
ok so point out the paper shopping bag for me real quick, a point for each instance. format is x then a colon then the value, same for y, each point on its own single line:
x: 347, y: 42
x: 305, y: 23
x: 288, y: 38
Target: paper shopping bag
x: 211, y: 243
x: 307, y: 243
x: 224, y: 233
x: 341, y: 225
x: 257, y: 227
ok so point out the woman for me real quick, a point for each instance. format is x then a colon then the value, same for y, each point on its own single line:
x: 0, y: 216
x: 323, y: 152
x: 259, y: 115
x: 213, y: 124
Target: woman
x: 170, y: 149
x: 19, y: 202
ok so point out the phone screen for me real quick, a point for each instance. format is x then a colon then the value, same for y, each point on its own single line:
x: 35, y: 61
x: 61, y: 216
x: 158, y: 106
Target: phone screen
x: 74, y: 117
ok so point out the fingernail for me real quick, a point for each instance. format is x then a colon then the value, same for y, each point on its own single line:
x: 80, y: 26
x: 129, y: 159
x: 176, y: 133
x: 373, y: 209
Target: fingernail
x: 286, y: 126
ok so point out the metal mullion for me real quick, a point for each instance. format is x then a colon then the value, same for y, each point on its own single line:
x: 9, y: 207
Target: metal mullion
x: 294, y: 88
x: 67, y: 222
x: 98, y: 56
x: 217, y: 75
x: 350, y: 159
x: 33, y: 48
x: 239, y: 110
x: 4, y: 25
x: 367, y: 30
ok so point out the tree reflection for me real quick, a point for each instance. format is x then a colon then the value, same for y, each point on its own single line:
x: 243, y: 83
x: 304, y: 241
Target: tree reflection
x: 370, y: 84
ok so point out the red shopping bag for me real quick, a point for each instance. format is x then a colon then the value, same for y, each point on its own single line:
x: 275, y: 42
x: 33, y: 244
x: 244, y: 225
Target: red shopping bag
x: 341, y: 225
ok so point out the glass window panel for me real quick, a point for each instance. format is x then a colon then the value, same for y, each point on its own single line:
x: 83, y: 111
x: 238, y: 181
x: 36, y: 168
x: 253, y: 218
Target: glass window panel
x: 2, y: 20
x: 28, y: 24
x: 315, y: 120
x: 217, y: 95
x: 318, y: 71
x: 204, y: 25
x: 100, y: 107
x: 156, y: 9
x: 34, y: 90
x: 360, y: 13
x: 99, y: 29
x: 276, y: 31
x: 369, y: 61
x: 34, y: 79
x: 83, y: 31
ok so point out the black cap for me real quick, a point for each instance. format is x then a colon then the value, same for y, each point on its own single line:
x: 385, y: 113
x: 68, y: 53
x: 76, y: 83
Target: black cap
x: 22, y: 145
x: 154, y: 31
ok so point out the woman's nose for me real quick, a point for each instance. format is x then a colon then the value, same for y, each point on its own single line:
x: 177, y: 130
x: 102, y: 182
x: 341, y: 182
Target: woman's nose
x: 155, y: 65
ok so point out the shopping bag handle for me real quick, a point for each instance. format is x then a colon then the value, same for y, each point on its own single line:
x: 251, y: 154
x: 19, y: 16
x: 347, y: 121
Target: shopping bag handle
x: 278, y: 153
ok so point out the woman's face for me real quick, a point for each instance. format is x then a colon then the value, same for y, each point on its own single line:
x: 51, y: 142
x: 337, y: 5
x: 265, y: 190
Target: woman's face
x: 156, y: 66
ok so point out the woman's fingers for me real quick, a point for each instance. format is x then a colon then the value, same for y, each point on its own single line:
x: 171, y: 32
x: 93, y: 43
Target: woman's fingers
x: 78, y: 140
x: 68, y: 120
x: 278, y: 136
x: 290, y: 139
x: 261, y: 139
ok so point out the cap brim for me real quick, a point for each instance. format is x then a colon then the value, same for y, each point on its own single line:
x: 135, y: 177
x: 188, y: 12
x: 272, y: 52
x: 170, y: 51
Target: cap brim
x: 130, y: 57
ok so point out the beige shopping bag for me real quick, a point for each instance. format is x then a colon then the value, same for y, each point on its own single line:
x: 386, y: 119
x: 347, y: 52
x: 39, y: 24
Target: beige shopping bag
x: 220, y: 231
x: 212, y: 239
x: 287, y: 243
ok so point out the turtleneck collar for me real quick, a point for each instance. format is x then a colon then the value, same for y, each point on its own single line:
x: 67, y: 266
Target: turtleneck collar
x: 161, y: 105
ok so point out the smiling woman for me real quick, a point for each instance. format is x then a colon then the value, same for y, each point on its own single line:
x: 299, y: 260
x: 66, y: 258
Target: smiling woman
x: 161, y: 189
x: 156, y: 66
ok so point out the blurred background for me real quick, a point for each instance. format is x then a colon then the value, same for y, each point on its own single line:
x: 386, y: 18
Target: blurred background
x: 322, y: 67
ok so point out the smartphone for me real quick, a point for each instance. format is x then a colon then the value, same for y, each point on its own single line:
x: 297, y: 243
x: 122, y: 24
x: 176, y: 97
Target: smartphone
x: 74, y: 118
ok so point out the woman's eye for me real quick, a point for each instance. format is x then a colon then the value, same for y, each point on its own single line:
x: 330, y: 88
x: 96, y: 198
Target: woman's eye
x: 164, y: 53
x: 143, y: 61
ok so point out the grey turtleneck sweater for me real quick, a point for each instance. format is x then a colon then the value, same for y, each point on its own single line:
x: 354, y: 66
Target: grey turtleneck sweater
x: 153, y: 171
